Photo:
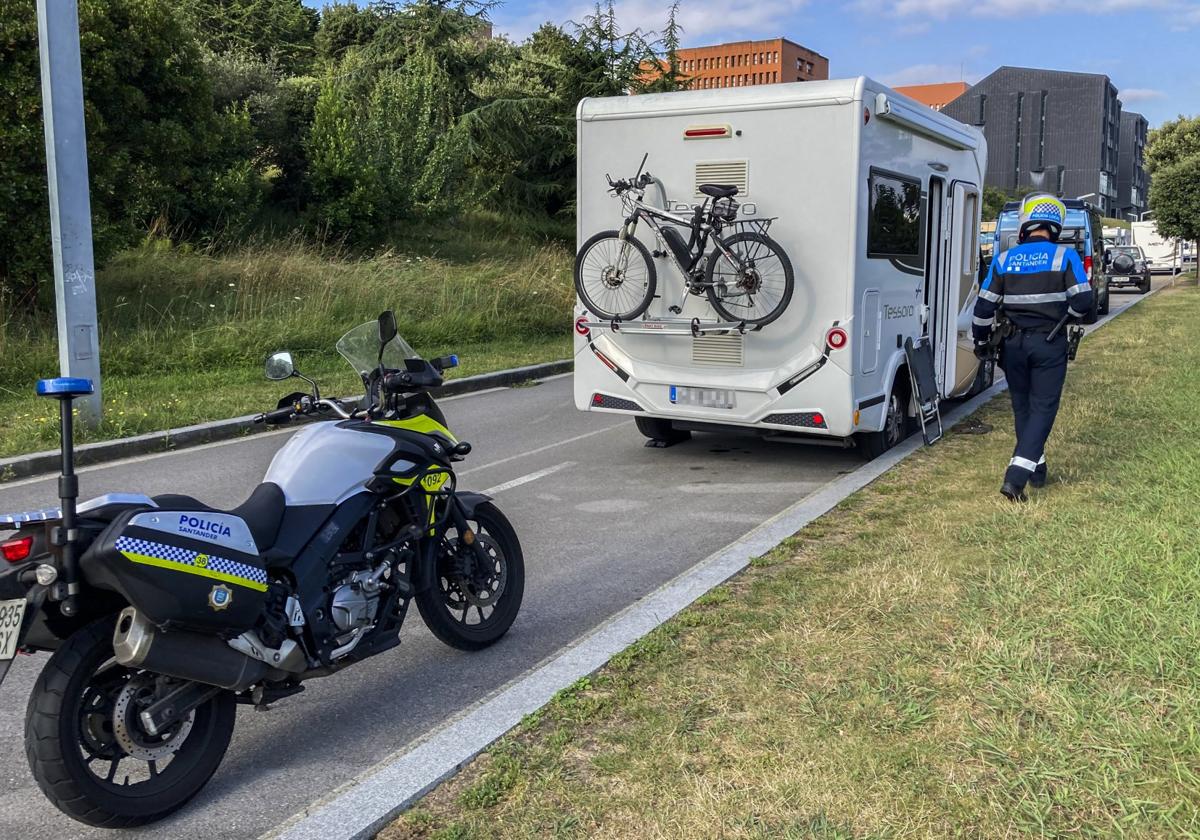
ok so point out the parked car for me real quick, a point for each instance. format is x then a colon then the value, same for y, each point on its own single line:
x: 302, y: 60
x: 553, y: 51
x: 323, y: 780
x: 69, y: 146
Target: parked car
x: 1127, y: 266
x: 1082, y: 231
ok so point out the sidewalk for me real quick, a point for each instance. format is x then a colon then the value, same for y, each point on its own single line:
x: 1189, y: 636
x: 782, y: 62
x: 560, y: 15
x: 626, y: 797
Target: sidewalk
x: 926, y: 660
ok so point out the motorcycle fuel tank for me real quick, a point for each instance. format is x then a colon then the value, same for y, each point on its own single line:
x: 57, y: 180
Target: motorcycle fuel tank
x: 326, y: 463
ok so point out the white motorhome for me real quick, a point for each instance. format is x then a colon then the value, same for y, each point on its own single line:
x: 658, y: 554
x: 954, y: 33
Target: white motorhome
x: 1162, y: 254
x: 877, y: 204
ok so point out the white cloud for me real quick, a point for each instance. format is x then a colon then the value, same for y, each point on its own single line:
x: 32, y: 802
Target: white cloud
x: 1131, y: 95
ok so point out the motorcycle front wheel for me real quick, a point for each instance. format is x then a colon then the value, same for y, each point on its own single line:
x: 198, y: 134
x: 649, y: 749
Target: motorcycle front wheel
x: 471, y: 604
x: 88, y: 751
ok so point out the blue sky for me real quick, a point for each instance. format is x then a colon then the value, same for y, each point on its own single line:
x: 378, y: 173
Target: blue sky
x: 1142, y: 45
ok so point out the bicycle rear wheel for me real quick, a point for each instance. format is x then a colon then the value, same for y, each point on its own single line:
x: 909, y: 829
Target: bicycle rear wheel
x: 615, y: 277
x: 758, y: 290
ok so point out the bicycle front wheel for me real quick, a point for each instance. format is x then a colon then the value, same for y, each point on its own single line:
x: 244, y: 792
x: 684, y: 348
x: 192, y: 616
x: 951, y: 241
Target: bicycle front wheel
x: 615, y: 277
x: 755, y: 286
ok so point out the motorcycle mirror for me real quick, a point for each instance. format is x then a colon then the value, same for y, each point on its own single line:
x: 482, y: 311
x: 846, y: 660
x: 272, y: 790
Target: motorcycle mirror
x: 387, y: 326
x: 280, y: 366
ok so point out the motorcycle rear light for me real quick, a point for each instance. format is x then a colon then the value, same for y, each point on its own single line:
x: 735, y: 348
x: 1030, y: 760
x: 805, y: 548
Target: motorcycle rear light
x: 17, y: 550
x: 1087, y: 266
x: 836, y: 338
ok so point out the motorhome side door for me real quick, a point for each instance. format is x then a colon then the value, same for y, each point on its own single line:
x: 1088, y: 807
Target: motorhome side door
x: 940, y: 322
x: 962, y: 274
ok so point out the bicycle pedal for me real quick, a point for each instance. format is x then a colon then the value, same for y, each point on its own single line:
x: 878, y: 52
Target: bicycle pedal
x: 675, y: 310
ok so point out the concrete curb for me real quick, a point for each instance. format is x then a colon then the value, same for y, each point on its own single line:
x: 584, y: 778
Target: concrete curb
x: 38, y: 463
x: 358, y: 810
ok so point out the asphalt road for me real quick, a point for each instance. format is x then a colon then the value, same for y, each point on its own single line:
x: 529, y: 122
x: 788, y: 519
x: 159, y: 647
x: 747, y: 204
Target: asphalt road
x: 603, y: 521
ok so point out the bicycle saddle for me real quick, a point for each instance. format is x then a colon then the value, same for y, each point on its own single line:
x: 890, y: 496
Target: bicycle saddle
x: 719, y: 190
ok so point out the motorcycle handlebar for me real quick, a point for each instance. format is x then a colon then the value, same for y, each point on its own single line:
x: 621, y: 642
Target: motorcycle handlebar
x: 274, y: 418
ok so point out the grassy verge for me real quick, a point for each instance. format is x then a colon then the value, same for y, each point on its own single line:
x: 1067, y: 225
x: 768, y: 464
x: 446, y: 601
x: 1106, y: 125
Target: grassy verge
x: 184, y: 333
x: 926, y: 660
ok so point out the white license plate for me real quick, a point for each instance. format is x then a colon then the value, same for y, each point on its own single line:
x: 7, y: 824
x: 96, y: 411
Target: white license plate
x: 1120, y: 279
x: 703, y: 397
x: 11, y: 613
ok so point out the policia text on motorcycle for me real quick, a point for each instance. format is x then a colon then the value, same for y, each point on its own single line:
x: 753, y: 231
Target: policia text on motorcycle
x: 1035, y: 285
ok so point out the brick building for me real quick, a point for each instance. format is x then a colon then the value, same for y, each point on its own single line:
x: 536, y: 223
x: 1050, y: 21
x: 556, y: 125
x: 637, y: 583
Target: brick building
x: 936, y: 96
x: 743, y: 63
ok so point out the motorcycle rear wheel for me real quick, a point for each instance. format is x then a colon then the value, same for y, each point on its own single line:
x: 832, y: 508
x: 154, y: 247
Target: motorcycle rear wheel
x: 473, y: 613
x: 77, y: 741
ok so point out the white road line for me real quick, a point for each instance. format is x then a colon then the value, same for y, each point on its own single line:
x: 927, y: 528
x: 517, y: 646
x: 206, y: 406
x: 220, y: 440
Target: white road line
x: 543, y: 448
x: 525, y: 479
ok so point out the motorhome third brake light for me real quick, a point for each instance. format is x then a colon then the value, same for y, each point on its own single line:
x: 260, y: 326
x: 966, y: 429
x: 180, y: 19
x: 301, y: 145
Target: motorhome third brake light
x: 707, y: 132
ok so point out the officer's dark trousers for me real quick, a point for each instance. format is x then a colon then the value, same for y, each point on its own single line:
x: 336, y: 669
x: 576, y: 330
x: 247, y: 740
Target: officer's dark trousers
x: 1036, y: 370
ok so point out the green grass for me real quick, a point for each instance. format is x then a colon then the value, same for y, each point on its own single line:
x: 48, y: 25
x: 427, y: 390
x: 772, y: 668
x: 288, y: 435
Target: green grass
x: 926, y: 660
x: 184, y: 333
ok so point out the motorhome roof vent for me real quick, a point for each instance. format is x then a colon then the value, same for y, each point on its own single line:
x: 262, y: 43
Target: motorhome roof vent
x: 736, y: 172
x: 718, y: 350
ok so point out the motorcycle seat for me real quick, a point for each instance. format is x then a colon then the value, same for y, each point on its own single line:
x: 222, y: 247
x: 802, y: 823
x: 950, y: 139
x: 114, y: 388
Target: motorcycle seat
x: 262, y: 512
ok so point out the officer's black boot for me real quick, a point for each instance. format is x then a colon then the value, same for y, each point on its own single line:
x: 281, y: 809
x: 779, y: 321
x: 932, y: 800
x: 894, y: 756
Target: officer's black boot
x: 1013, y: 493
x: 1038, y: 479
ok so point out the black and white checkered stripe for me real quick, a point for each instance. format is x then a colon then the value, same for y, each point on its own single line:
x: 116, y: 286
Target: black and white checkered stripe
x: 187, y: 557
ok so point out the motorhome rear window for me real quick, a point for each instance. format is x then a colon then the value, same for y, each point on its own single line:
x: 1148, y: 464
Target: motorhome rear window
x: 894, y: 227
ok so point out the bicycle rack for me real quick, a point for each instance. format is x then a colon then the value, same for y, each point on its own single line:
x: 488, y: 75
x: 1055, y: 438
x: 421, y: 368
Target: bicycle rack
x: 672, y: 326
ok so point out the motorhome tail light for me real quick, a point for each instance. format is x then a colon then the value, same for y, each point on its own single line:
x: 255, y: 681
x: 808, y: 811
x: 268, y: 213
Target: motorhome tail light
x: 836, y: 338
x: 706, y: 132
x: 17, y: 550
x: 581, y: 326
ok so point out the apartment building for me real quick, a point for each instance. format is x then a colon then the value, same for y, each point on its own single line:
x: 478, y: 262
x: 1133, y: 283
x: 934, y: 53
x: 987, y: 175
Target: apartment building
x: 743, y: 63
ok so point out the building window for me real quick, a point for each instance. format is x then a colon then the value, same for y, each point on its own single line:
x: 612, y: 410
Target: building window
x: 894, y: 226
x: 1017, y: 150
x: 982, y: 109
x: 1042, y: 134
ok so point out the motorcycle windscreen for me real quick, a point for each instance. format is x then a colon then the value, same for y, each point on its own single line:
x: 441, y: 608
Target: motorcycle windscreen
x: 360, y: 347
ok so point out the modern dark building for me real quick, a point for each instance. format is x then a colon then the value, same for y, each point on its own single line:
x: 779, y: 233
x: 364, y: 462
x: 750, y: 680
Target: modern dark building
x: 1048, y: 129
x: 1133, y: 186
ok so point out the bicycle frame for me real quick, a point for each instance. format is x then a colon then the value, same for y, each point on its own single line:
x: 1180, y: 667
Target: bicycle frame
x: 701, y: 227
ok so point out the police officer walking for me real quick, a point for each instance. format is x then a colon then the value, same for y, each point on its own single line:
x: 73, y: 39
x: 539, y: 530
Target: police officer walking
x: 1037, y: 282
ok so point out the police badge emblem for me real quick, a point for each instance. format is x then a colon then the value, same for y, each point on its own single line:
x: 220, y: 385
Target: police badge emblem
x: 220, y: 597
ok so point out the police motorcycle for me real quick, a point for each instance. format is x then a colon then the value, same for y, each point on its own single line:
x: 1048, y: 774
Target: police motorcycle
x: 163, y: 614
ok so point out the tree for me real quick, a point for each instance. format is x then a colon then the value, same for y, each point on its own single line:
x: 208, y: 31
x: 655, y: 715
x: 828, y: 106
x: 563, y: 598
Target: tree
x: 1172, y: 142
x: 159, y: 153
x: 1175, y: 199
x: 281, y: 30
x: 670, y: 76
x: 1173, y: 158
x: 344, y: 26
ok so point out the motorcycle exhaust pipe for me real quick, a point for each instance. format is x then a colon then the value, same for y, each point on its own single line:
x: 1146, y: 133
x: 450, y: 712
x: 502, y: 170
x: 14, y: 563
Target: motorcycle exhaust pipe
x: 187, y: 656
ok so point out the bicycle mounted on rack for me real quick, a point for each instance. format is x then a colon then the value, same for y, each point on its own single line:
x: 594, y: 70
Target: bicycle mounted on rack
x: 746, y: 277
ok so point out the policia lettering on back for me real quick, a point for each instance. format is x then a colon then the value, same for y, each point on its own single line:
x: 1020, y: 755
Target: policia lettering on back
x: 1037, y: 283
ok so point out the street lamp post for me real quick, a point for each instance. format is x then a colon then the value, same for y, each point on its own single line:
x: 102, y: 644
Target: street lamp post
x: 70, y: 205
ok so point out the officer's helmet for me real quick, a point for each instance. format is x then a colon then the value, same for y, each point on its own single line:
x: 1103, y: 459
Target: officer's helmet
x: 1041, y: 210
